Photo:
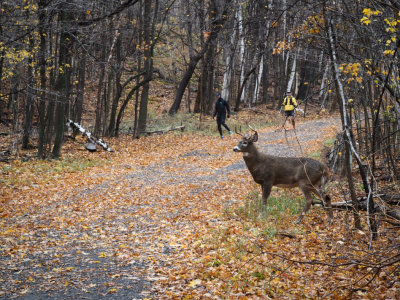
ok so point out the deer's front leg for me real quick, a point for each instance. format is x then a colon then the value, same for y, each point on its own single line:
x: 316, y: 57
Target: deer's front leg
x: 266, y: 190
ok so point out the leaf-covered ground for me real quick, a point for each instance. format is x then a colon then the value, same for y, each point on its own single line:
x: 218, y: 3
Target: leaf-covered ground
x: 169, y: 216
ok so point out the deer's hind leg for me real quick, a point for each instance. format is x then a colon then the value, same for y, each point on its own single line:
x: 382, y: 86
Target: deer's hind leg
x: 306, y: 190
x: 326, y: 200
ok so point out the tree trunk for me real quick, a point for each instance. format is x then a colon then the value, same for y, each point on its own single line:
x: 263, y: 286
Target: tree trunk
x: 241, y: 87
x: 345, y: 125
x: 183, y: 84
x: 100, y: 89
x: 206, y: 91
x: 107, y: 100
x: 198, y: 105
x: 349, y: 175
x: 126, y: 101
x: 77, y: 112
x: 289, y: 86
x: 13, y: 102
x: 229, y: 63
x: 42, y: 74
x: 216, y: 27
x: 118, y: 87
x: 29, y: 101
x: 322, y: 93
x: 63, y: 78
x: 148, y: 65
x: 258, y: 81
x: 240, y: 96
x: 2, y: 56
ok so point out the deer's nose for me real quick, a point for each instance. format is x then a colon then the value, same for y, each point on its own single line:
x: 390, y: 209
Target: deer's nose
x: 236, y: 149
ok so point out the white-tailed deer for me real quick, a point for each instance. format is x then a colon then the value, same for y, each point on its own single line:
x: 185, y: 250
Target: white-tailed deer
x: 287, y: 172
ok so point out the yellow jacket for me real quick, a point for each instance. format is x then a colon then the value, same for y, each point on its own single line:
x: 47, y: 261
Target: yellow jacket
x: 289, y: 103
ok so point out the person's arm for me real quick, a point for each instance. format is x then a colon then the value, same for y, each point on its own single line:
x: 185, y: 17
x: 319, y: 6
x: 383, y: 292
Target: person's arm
x: 294, y: 102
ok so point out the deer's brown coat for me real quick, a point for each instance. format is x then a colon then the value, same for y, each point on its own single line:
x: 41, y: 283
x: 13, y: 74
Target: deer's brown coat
x: 287, y: 172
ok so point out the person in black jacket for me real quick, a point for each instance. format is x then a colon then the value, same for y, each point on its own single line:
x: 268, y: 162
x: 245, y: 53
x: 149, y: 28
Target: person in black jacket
x: 221, y: 107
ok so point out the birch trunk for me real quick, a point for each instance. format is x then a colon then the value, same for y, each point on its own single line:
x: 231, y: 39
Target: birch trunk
x: 241, y: 51
x: 292, y: 74
x: 284, y: 57
x: 258, y: 80
x: 225, y: 93
x: 370, y: 208
x: 322, y: 94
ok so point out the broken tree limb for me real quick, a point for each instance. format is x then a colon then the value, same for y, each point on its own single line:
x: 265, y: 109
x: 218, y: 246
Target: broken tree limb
x: 387, y: 198
x: 162, y: 131
x: 286, y: 234
x: 89, y: 136
x: 380, y: 207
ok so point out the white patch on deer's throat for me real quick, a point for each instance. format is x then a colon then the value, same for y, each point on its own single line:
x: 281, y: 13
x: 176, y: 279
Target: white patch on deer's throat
x: 245, y: 154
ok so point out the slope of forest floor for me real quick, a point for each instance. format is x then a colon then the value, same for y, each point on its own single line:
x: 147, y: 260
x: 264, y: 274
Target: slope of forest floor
x: 175, y: 216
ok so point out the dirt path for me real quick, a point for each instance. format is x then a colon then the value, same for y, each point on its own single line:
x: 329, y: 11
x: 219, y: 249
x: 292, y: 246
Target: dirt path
x: 116, y: 232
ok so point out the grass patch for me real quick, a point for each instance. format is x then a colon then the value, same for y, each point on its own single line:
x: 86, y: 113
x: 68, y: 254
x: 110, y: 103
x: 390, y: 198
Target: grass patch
x: 330, y: 142
x: 315, y: 155
x: 327, y: 144
x: 270, y: 232
x: 193, y: 122
x: 259, y: 275
x: 215, y: 263
x: 277, y: 208
x: 38, y: 171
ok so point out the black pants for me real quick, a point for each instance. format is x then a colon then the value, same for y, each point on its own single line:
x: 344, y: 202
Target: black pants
x: 221, y: 121
x: 289, y: 113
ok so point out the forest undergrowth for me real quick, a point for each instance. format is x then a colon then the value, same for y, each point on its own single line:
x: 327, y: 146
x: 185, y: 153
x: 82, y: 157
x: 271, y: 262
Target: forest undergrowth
x: 178, y: 216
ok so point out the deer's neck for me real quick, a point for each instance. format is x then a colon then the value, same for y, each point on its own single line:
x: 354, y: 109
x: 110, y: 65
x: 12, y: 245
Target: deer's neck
x: 255, y: 162
x: 252, y: 155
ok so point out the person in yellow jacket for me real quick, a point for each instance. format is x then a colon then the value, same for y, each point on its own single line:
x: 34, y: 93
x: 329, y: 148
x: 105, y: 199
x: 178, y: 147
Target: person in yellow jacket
x: 289, y: 104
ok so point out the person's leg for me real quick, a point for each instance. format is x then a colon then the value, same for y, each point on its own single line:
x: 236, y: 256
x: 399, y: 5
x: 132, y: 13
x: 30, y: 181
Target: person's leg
x: 223, y: 124
x: 219, y: 125
x: 287, y: 120
x: 292, y: 117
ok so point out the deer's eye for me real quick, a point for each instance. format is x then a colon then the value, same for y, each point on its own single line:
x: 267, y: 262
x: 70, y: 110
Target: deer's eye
x: 244, y: 143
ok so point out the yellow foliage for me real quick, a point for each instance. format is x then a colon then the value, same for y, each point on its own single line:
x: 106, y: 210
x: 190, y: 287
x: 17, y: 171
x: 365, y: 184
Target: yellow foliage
x: 369, y: 12
x: 281, y: 46
x: 351, y: 68
x: 365, y: 20
x: 388, y: 52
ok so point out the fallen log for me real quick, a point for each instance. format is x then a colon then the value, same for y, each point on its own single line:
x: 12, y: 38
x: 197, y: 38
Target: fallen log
x: 380, y: 207
x: 163, y: 131
x: 388, y: 198
x: 91, y: 139
x: 286, y: 234
x: 4, y: 159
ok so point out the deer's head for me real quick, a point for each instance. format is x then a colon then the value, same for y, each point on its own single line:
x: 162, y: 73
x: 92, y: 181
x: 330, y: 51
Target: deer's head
x: 246, y: 141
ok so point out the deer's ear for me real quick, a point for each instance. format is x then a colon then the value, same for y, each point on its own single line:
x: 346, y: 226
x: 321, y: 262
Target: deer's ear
x: 255, y: 137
